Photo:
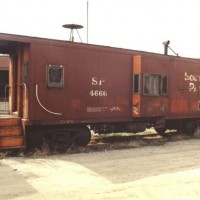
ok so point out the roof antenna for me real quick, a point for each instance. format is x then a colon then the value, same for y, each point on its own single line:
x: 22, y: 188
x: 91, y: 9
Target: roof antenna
x: 166, y: 46
x: 73, y: 27
x: 87, y: 20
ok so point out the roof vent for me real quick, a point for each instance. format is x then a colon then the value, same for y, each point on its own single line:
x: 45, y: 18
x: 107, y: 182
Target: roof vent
x: 166, y: 47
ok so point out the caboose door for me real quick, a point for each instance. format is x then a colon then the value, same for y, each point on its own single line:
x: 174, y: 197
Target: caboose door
x: 13, y: 79
x: 14, y: 61
x: 13, y: 93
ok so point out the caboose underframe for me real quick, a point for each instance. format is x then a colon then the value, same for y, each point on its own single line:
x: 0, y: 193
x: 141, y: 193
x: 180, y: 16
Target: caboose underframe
x: 59, y: 91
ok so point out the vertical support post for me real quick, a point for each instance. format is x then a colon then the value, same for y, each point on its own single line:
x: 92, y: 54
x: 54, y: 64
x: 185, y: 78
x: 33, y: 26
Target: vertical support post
x: 166, y: 47
x: 87, y: 19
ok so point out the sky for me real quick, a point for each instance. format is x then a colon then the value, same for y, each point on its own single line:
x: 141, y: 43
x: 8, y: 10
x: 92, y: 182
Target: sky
x: 132, y: 24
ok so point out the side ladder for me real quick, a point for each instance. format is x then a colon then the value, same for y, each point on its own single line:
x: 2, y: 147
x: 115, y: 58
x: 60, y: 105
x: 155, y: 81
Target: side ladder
x: 11, y: 133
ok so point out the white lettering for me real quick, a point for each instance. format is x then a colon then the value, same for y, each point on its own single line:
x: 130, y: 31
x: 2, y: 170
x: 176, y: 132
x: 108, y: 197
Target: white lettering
x: 97, y: 81
x: 94, y: 81
x: 192, y: 87
x: 98, y: 93
x: 101, y: 81
x: 96, y: 109
x: 192, y: 77
x: 186, y: 77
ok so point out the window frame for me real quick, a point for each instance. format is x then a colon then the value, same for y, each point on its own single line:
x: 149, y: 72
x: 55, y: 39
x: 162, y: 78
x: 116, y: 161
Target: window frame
x: 136, y: 86
x: 162, y: 88
x: 57, y: 83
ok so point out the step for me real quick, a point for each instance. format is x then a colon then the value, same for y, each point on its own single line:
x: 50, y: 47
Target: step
x: 11, y: 131
x: 10, y: 121
x: 11, y: 142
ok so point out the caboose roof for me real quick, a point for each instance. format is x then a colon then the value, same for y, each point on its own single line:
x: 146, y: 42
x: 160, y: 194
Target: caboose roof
x: 8, y: 42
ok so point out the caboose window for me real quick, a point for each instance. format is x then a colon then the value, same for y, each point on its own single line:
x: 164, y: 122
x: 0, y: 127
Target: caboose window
x: 4, y: 84
x: 151, y: 84
x: 55, y: 76
x: 154, y: 84
x: 164, y: 85
x: 136, y: 83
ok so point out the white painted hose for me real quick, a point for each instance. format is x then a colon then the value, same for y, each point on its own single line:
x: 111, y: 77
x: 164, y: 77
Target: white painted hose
x: 54, y: 113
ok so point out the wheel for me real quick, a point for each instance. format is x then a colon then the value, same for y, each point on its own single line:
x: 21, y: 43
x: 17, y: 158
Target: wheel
x: 83, y: 138
x: 33, y: 140
x: 61, y: 141
x: 161, y: 130
x: 190, y: 128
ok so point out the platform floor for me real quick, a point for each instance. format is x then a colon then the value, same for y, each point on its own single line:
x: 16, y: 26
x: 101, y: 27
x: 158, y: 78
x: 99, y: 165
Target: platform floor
x: 7, y: 116
x: 4, y: 108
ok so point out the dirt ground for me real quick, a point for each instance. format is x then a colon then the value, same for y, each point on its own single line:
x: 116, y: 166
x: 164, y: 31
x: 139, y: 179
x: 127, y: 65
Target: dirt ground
x: 170, y: 171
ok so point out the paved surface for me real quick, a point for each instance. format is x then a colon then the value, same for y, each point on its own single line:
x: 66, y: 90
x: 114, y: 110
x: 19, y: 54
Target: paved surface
x: 167, y: 172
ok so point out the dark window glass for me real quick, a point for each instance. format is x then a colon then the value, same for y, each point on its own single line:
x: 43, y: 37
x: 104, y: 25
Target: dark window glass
x: 136, y: 83
x: 25, y: 73
x: 55, y: 76
x: 4, y: 84
x: 164, y: 85
x: 151, y: 84
x: 155, y: 85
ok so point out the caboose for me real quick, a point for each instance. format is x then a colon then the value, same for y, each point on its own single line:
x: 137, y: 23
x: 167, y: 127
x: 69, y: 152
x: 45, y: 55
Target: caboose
x: 58, y: 91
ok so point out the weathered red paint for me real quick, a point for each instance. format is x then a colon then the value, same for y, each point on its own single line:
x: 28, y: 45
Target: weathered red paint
x: 98, y: 83
x: 83, y: 98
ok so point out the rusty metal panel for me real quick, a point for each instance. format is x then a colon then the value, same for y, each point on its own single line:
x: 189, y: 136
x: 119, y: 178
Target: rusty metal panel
x: 185, y: 88
x: 136, y: 105
x: 150, y: 105
x: 136, y: 96
x: 183, y: 97
x: 137, y: 59
x: 97, y: 84
x: 154, y: 106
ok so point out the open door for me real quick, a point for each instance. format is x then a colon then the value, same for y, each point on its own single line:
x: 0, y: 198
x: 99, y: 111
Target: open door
x: 13, y: 93
x: 18, y: 76
x: 4, y: 85
x: 13, y: 78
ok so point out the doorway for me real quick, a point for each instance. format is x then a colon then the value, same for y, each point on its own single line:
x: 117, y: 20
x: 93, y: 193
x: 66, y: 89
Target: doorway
x: 14, y: 65
x: 4, y: 84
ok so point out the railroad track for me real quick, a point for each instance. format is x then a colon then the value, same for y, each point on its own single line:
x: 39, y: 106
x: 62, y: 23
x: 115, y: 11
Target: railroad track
x: 123, y: 137
x: 110, y: 142
x: 125, y: 140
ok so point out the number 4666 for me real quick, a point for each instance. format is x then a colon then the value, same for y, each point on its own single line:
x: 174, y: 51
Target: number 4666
x: 98, y: 93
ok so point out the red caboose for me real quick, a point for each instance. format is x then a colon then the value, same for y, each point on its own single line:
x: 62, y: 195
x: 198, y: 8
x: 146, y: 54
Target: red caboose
x: 59, y: 89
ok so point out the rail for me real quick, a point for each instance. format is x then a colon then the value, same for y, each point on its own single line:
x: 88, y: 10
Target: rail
x: 39, y: 102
